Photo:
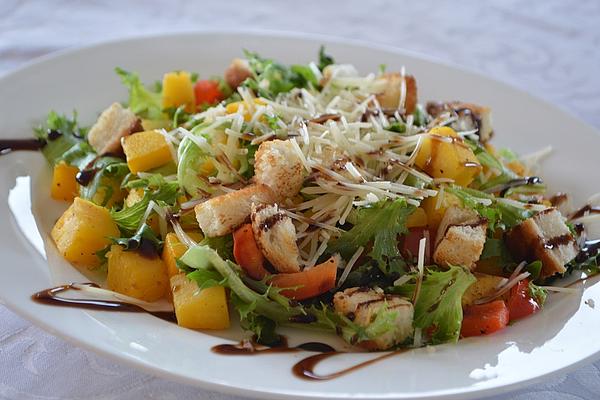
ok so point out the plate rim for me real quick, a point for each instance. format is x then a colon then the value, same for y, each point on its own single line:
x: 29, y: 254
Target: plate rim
x: 154, y: 370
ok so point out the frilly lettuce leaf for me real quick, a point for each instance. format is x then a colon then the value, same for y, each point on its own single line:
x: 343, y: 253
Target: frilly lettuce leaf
x: 191, y: 158
x: 142, y: 101
x: 438, y: 308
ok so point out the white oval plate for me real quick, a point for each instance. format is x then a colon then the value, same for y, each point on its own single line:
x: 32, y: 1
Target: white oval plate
x: 555, y: 340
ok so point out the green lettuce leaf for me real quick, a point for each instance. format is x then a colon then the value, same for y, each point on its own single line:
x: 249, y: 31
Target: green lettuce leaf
x: 110, y: 172
x: 70, y: 146
x: 438, y: 308
x: 271, y: 78
x: 499, y: 214
x: 261, y: 307
x: 537, y: 293
x: 155, y: 189
x: 191, y: 158
x: 142, y: 101
x: 380, y: 225
x: 324, y: 59
x: 143, y: 238
x: 439, y: 303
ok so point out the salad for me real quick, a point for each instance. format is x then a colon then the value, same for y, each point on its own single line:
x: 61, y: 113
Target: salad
x: 310, y: 196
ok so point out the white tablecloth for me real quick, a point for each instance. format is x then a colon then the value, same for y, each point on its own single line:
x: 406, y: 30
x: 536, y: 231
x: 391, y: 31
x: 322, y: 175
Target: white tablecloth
x: 549, y: 48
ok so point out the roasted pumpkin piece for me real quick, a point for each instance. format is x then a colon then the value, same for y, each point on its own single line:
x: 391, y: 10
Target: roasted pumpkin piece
x: 417, y: 219
x: 81, y: 231
x: 146, y: 150
x: 484, y: 286
x: 435, y: 208
x: 64, y: 186
x: 443, y: 154
x: 134, y: 274
x: 232, y: 108
x: 173, y: 249
x: 178, y: 90
x: 197, y: 308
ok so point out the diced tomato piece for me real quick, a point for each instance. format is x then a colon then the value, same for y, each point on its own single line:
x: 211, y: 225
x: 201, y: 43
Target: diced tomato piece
x: 247, y: 254
x: 483, y: 319
x: 520, y: 304
x: 207, y: 92
x: 410, y: 245
x: 310, y: 282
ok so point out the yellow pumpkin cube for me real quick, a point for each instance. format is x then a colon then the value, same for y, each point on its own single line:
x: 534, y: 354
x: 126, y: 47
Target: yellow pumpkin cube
x: 146, y: 150
x: 135, y: 275
x: 517, y: 167
x: 484, y: 286
x: 232, y: 108
x: 443, y: 154
x: 64, y: 186
x: 81, y: 231
x: 178, y: 90
x: 417, y: 219
x: 435, y: 214
x: 173, y: 249
x: 199, y: 309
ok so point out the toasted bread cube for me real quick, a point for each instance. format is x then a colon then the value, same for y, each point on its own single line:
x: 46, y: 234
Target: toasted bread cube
x: 390, y: 97
x: 113, y: 124
x: 222, y: 214
x: 64, y: 186
x: 237, y: 72
x: 178, y: 90
x: 146, y: 150
x: 544, y: 237
x: 81, y: 231
x: 278, y: 166
x: 174, y: 249
x: 443, y: 154
x: 199, y: 309
x: 133, y: 274
x: 484, y: 286
x: 460, y: 238
x: 275, y: 235
x: 363, y: 305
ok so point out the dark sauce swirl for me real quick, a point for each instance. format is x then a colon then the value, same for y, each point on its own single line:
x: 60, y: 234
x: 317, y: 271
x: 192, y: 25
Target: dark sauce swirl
x: 51, y: 297
x: 10, y: 145
x: 304, y: 369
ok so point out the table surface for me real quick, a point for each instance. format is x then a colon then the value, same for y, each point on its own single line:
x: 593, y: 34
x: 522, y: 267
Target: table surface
x: 548, y: 48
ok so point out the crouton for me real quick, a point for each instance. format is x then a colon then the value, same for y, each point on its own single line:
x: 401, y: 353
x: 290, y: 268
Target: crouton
x: 275, y: 235
x: 114, y: 123
x: 469, y: 117
x: 544, y: 237
x: 237, y: 72
x: 222, y: 214
x: 484, y: 286
x: 278, y: 166
x: 362, y: 305
x: 390, y: 97
x: 460, y: 238
x: 338, y: 71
